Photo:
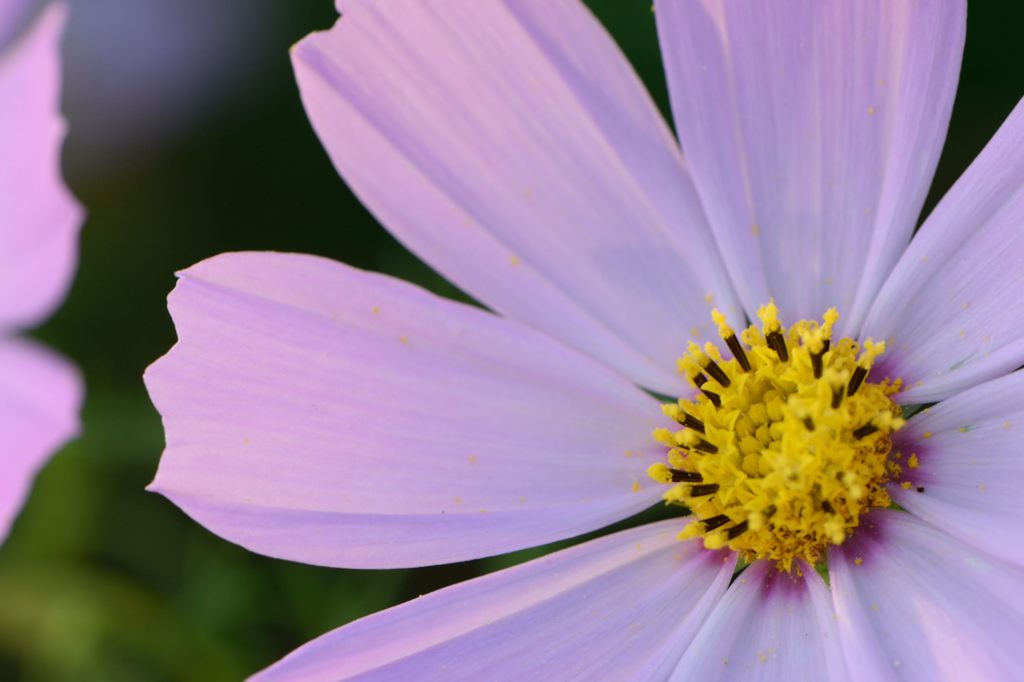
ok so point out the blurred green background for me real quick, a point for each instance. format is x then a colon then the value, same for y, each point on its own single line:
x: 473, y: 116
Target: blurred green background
x: 187, y: 138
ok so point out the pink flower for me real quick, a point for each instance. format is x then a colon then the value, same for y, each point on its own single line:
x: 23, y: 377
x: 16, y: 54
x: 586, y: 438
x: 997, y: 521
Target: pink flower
x: 322, y: 414
x: 40, y: 393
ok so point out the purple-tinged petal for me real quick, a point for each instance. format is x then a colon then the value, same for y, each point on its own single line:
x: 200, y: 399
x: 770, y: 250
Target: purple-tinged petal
x: 39, y: 219
x: 812, y: 128
x: 913, y: 603
x: 768, y: 626
x: 511, y: 146
x: 323, y: 414
x: 40, y: 397
x: 966, y: 454
x: 622, y: 607
x: 11, y: 14
x: 952, y: 308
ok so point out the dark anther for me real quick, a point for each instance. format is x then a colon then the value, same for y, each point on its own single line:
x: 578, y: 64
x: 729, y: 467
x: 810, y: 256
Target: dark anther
x: 716, y: 373
x: 706, y: 447
x: 817, y: 364
x: 809, y: 423
x: 824, y: 348
x: 715, y: 522
x: 778, y: 344
x: 715, y: 399
x: 737, y: 530
x: 692, y: 422
x: 865, y: 430
x: 699, y: 382
x: 856, y: 380
x: 737, y: 352
x: 769, y: 511
x: 679, y: 476
x: 920, y: 488
x: 827, y: 506
x: 837, y: 397
x: 703, y: 489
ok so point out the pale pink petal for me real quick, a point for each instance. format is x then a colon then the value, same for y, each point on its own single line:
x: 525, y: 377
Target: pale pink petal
x: 40, y: 397
x: 952, y: 308
x: 914, y: 603
x: 39, y: 219
x: 623, y: 607
x: 511, y: 146
x: 969, y: 457
x: 769, y: 626
x: 328, y: 415
x: 812, y: 128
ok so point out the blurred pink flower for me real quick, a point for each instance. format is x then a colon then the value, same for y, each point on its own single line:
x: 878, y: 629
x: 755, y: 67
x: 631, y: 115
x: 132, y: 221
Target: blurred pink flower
x: 322, y: 414
x: 40, y: 393
x: 143, y: 74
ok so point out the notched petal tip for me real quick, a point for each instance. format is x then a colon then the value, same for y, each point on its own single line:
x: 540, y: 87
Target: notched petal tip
x: 280, y: 401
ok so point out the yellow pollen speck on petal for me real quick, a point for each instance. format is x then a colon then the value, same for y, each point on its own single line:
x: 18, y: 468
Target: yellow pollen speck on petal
x: 1006, y: 425
x: 871, y: 111
x: 755, y: 229
x: 859, y: 560
x: 636, y: 486
x: 912, y: 462
x: 927, y: 434
x: 787, y: 442
x: 514, y: 261
x: 906, y: 485
x: 709, y: 298
x: 471, y: 459
x: 404, y: 340
x: 375, y: 310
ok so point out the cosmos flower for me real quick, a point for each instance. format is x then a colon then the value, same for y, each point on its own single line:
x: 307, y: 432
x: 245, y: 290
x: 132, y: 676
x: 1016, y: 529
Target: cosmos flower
x: 40, y: 393
x: 322, y: 414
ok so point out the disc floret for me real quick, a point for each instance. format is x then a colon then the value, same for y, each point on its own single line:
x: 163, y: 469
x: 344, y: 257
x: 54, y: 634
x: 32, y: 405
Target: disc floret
x: 785, y: 445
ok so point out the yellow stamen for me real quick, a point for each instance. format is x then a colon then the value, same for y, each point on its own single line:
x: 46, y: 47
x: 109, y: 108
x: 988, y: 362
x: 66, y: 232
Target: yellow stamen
x: 783, y: 452
x: 769, y: 316
x: 724, y: 330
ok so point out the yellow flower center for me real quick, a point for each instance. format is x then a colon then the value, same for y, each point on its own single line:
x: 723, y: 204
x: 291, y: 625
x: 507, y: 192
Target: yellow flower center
x: 785, y: 445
